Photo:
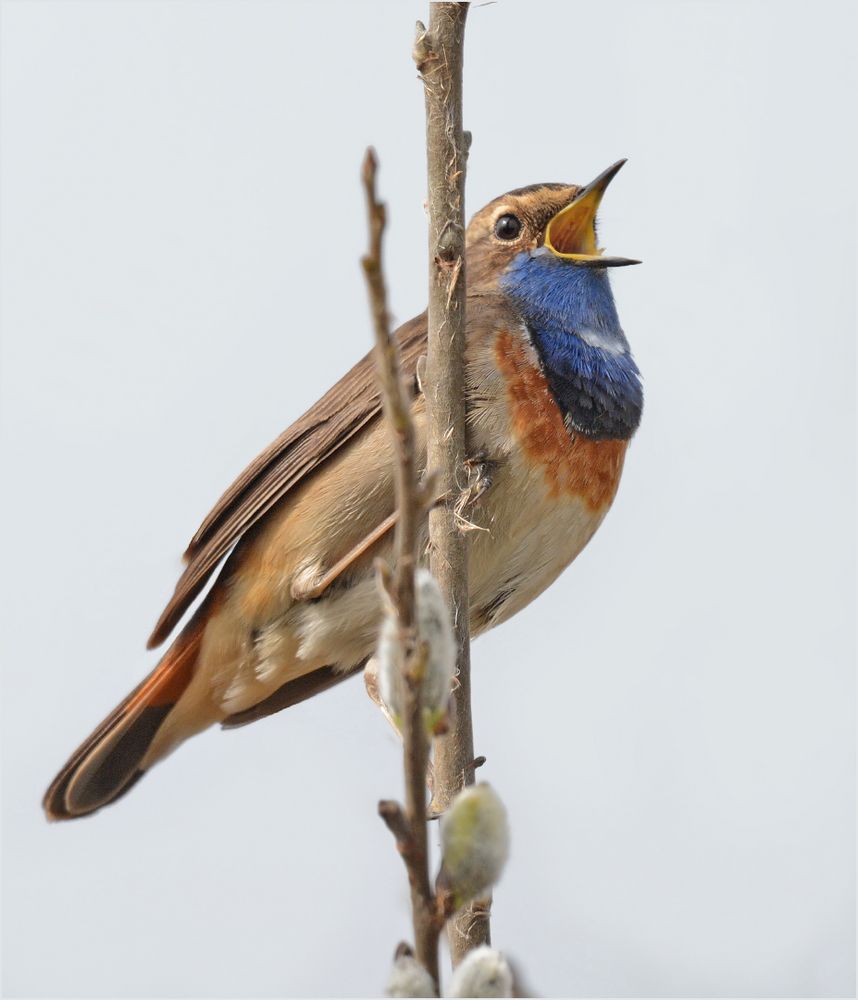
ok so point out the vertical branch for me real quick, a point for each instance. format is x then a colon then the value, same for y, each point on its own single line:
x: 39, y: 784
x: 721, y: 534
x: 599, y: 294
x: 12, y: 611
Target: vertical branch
x: 438, y: 53
x: 409, y: 828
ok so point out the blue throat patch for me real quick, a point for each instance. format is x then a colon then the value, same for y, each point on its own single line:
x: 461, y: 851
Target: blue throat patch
x: 570, y: 314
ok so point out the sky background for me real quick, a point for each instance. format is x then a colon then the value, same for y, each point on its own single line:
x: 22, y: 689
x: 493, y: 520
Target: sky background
x: 671, y: 726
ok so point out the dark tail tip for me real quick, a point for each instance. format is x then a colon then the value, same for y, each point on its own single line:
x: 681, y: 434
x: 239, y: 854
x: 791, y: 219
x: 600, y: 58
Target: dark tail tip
x: 108, y: 763
x: 105, y: 767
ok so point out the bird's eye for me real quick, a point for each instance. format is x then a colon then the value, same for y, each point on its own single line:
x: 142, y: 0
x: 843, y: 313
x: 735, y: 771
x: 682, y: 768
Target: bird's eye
x: 508, y: 227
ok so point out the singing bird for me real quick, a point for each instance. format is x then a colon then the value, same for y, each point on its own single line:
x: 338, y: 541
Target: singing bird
x: 553, y: 398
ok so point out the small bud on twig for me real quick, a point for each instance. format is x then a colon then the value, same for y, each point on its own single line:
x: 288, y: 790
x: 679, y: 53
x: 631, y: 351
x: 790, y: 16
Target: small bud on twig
x: 435, y: 632
x: 474, y: 844
x: 483, y: 972
x: 408, y: 978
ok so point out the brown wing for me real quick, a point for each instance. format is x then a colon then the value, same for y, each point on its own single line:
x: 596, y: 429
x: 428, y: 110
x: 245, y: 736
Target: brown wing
x: 340, y: 414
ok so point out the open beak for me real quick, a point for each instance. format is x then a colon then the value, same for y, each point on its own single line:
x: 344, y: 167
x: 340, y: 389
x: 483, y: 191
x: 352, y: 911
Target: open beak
x: 571, y: 234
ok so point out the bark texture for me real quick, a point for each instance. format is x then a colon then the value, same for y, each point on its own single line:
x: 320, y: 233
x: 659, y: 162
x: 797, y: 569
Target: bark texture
x: 438, y: 53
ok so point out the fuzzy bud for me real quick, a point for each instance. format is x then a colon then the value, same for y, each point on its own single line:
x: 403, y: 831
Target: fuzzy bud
x: 483, y: 972
x: 474, y: 844
x: 434, y: 629
x: 389, y: 659
x: 408, y: 978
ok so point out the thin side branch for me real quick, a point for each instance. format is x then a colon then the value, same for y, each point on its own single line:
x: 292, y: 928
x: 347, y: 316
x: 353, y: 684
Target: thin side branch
x: 438, y: 53
x: 409, y: 825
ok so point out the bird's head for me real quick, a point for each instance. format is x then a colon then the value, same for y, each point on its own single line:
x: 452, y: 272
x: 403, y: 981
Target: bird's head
x: 556, y: 220
x: 537, y: 246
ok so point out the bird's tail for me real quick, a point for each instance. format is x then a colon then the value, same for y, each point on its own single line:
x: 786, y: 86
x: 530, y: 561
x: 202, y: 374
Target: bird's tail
x: 111, y: 760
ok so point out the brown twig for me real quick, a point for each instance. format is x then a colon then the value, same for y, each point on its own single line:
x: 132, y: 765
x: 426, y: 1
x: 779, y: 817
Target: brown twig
x: 438, y: 54
x: 409, y: 825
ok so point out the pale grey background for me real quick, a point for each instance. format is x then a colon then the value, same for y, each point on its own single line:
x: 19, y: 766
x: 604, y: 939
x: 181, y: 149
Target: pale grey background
x: 671, y: 726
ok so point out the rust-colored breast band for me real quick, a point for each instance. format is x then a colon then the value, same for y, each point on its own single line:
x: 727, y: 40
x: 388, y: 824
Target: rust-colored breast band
x: 573, y: 464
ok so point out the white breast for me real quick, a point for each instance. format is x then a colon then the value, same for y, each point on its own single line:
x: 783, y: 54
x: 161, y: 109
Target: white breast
x: 527, y: 539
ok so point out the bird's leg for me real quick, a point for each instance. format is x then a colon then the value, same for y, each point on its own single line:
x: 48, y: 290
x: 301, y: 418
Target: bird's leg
x: 420, y: 374
x: 370, y: 680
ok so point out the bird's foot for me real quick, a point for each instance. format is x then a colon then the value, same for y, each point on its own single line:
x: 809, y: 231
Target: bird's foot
x: 481, y: 472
